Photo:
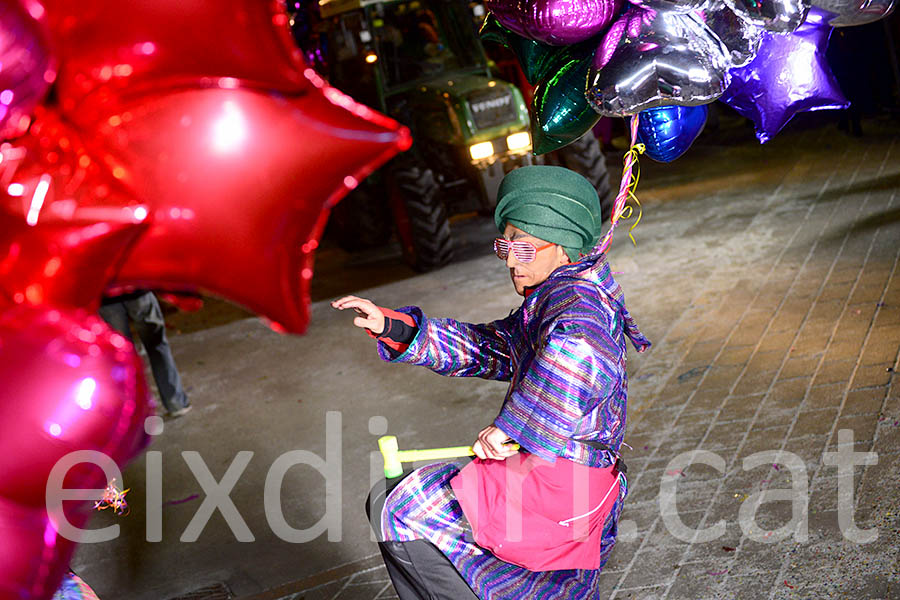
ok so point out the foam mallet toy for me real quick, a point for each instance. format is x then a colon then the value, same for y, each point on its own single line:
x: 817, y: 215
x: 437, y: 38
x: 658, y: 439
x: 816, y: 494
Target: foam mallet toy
x: 394, y: 457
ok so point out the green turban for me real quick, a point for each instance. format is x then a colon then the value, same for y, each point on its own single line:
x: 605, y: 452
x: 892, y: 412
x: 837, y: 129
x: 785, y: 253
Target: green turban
x: 553, y: 204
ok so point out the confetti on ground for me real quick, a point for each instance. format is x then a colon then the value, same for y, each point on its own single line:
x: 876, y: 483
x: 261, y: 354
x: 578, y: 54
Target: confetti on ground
x: 675, y: 472
x: 183, y: 500
x: 113, y: 498
x: 728, y: 549
x: 787, y: 584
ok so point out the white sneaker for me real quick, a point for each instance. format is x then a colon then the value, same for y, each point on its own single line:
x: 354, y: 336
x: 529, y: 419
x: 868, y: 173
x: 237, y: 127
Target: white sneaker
x: 181, y: 411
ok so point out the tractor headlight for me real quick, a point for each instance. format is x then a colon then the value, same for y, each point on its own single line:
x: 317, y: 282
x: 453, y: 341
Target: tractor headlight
x: 517, y: 141
x: 481, y: 150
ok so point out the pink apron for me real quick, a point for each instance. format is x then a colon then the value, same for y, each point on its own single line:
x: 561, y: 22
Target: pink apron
x: 539, y: 515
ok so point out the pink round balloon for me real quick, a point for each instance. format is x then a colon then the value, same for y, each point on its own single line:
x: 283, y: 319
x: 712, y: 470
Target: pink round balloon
x: 33, y: 556
x: 26, y: 68
x: 556, y: 22
x: 69, y: 383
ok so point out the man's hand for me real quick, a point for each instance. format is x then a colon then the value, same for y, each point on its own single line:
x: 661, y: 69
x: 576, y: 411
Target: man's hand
x: 370, y: 316
x: 491, y: 443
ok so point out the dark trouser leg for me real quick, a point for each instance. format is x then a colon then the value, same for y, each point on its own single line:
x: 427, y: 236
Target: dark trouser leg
x: 116, y: 316
x: 418, y: 570
x: 151, y: 328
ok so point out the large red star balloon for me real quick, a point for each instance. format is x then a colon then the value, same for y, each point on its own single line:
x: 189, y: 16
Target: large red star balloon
x: 115, y: 49
x: 52, y: 250
x: 64, y: 263
x: 208, y: 114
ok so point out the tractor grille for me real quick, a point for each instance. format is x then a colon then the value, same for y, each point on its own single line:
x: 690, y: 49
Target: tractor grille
x: 492, y: 107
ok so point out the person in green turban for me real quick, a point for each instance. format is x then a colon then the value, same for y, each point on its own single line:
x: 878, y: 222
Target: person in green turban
x: 552, y: 209
x: 442, y: 528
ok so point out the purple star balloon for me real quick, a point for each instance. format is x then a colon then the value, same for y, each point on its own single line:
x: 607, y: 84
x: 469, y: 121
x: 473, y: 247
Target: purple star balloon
x: 789, y: 75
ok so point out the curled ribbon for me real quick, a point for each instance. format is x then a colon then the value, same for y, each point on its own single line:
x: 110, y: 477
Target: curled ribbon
x: 631, y: 174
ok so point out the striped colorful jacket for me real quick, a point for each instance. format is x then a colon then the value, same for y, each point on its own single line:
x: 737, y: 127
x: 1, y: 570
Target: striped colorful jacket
x: 563, y: 352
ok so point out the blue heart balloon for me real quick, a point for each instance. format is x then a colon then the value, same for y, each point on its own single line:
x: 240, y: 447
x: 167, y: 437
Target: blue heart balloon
x: 668, y: 131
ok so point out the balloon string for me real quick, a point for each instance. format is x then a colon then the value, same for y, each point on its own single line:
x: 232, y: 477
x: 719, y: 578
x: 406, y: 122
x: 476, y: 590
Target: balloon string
x: 631, y: 174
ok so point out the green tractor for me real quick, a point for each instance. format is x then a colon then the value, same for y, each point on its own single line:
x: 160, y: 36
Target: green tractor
x: 422, y: 63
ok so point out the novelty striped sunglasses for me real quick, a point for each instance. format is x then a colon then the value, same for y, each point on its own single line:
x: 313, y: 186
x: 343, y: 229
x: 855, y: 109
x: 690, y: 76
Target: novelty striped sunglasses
x: 523, y: 251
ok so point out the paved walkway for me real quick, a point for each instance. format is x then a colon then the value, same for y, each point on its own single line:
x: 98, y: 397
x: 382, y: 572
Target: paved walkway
x: 793, y: 339
x: 767, y: 278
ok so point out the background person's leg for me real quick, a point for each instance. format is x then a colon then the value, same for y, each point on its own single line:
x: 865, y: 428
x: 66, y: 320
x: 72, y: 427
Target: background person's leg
x: 148, y: 320
x: 116, y: 316
x: 418, y: 570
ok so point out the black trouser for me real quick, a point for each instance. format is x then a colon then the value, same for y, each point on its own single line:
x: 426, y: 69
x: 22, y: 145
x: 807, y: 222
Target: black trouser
x: 144, y: 311
x: 418, y: 569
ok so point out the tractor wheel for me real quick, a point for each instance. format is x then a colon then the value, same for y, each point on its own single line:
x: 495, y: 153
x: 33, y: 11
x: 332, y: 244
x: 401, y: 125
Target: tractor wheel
x: 360, y: 221
x: 584, y: 156
x: 420, y: 216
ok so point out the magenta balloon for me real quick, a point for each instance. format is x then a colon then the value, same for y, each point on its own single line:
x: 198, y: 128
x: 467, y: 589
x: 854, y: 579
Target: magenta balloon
x: 69, y: 383
x: 26, y: 68
x: 33, y: 556
x: 556, y: 22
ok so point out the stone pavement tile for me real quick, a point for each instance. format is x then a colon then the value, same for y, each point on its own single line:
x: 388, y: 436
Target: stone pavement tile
x: 825, y: 396
x: 799, y: 366
x: 825, y: 311
x: 753, y: 558
x: 814, y: 422
x: 782, y: 410
x: 867, y: 294
x: 699, y: 471
x: 834, y: 371
x: 766, y: 434
x: 765, y: 361
x: 607, y: 584
x: 836, y: 291
x: 720, y: 378
x: 754, y: 382
x: 645, y: 487
x: 790, y: 317
x: 703, y: 352
x: 863, y: 426
x: 725, y: 435
x: 809, y: 449
x: 777, y: 342
x: 823, y: 497
x: 848, y: 337
x: 887, y: 439
x: 865, y: 402
x: 653, y: 566
x: 872, y: 375
x: 789, y: 392
x: 698, y: 581
x: 888, y: 318
x: 876, y: 587
x: 653, y: 421
x: 739, y: 408
x: 733, y: 355
x: 645, y: 593
x: 704, y: 401
x: 665, y: 534
x: 881, y: 348
x: 748, y: 587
